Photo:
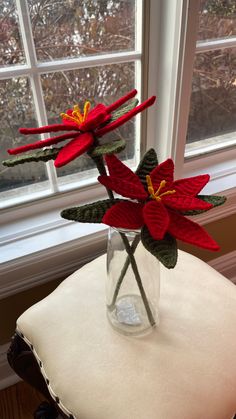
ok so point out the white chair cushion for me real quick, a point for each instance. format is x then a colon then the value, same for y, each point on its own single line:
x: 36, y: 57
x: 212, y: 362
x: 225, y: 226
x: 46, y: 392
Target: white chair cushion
x: 185, y: 369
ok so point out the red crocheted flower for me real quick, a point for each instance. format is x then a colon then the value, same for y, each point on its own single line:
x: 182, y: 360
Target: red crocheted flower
x: 158, y: 204
x: 82, y: 127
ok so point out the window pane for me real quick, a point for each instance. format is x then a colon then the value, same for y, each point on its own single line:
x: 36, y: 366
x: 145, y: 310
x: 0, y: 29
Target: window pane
x: 11, y: 50
x: 16, y: 109
x: 68, y: 28
x: 217, y: 19
x: 213, y: 101
x: 103, y: 84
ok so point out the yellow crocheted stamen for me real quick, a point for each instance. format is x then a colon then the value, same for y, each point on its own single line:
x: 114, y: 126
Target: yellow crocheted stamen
x: 77, y: 116
x: 157, y: 195
x: 87, y: 106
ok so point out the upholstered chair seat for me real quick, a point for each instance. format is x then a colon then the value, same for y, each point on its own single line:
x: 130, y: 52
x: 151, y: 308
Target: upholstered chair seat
x: 184, y: 369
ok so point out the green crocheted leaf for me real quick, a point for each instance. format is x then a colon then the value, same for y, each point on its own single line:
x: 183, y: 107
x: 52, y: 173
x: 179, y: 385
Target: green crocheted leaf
x: 211, y: 199
x: 164, y: 250
x: 89, y: 213
x: 122, y: 111
x: 42, y: 155
x: 146, y: 165
x: 109, y: 148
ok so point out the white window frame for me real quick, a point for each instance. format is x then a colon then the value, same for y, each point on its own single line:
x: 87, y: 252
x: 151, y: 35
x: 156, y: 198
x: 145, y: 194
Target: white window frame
x: 170, y: 49
x: 173, y: 83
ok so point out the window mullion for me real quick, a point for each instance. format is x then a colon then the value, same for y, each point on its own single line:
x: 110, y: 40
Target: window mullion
x: 88, y: 62
x: 42, y: 120
x: 186, y: 55
x: 69, y: 64
x: 31, y: 59
x: 26, y: 33
x: 212, y: 45
x: 14, y: 71
x: 139, y: 33
x: 167, y: 72
x: 137, y: 121
x: 139, y: 27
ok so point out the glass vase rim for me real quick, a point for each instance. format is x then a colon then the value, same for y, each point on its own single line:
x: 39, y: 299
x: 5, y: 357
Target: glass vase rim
x: 126, y: 230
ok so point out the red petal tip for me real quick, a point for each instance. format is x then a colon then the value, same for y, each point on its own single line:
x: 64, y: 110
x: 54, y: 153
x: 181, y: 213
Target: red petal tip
x: 132, y: 93
x: 151, y: 100
x: 23, y: 130
x: 215, y: 248
x: 121, y: 101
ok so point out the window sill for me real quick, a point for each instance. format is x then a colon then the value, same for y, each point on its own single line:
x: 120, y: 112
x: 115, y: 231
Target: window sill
x: 37, y: 245
x: 55, y: 251
x: 221, y: 167
x: 209, y: 145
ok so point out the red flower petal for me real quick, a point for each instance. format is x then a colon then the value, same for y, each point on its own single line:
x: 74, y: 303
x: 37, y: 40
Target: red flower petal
x: 96, y: 111
x: 156, y: 218
x: 96, y: 117
x: 186, y: 230
x: 48, y: 128
x: 120, y: 121
x: 192, y: 185
x: 42, y: 143
x: 71, y: 124
x: 120, y: 170
x: 185, y: 202
x: 92, y: 112
x: 74, y: 148
x: 121, y: 101
x: 164, y: 171
x: 124, y: 215
x: 124, y: 188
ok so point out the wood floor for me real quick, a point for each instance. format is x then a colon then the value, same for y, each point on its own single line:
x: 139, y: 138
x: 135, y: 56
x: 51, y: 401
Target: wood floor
x: 19, y: 401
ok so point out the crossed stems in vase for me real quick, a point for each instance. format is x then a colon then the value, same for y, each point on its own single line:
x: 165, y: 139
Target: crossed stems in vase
x: 130, y: 249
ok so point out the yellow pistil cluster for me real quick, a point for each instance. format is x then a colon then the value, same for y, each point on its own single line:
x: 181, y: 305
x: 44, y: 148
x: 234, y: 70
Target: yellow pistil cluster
x: 77, y: 116
x: 157, y: 195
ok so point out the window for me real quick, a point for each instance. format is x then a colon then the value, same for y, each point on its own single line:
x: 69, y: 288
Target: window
x: 178, y: 61
x: 154, y: 44
x: 54, y: 55
x: 212, y: 123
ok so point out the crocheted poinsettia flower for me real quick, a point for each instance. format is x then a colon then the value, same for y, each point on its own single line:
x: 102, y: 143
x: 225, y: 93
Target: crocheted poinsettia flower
x: 158, y: 203
x: 83, y: 128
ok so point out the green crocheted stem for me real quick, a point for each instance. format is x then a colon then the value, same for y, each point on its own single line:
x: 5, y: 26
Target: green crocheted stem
x: 89, y: 213
x: 42, y: 155
x: 138, y: 279
x: 98, y: 160
x: 216, y: 201
x: 146, y: 165
x: 109, y: 148
x: 164, y: 250
x: 122, y: 274
x: 122, y: 111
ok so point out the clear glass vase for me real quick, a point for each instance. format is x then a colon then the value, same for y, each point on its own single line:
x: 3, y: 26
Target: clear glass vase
x: 133, y: 283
